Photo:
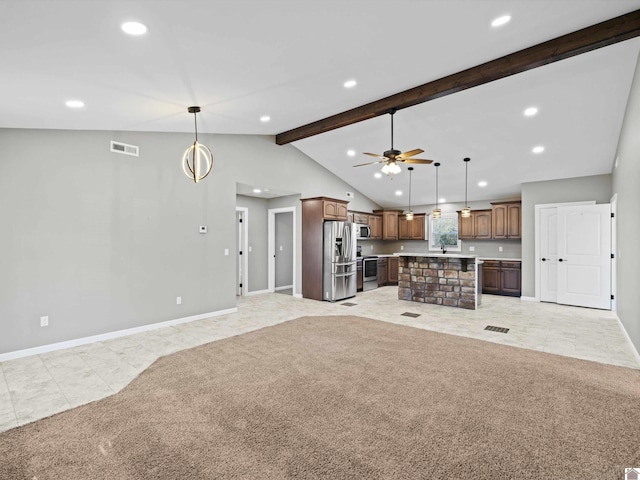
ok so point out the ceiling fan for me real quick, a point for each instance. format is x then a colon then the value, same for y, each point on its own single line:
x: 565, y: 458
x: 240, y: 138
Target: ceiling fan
x: 392, y: 156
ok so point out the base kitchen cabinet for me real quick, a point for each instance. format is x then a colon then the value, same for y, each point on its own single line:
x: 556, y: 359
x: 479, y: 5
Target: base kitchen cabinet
x: 392, y: 271
x: 501, y: 277
x: 359, y: 275
x: 382, y: 271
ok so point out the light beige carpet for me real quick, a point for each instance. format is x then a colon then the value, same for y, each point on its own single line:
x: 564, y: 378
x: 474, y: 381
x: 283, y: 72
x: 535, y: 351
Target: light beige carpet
x: 345, y: 398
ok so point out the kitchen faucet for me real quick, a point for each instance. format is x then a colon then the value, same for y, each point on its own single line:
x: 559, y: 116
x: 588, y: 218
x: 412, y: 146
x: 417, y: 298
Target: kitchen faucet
x: 444, y: 250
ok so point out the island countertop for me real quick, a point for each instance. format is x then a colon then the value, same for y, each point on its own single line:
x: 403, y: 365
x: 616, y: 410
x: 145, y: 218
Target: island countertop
x: 437, y: 255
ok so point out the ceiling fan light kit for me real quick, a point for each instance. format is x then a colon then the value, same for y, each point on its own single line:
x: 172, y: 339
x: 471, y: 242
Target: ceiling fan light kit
x: 392, y: 157
x: 197, y: 160
x: 466, y: 211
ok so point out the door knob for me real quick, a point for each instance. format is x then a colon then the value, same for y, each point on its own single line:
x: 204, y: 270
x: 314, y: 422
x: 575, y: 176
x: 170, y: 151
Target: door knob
x: 560, y: 260
x: 544, y: 259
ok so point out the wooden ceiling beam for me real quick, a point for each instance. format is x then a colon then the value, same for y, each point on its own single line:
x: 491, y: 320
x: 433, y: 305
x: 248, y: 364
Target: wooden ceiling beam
x: 581, y: 41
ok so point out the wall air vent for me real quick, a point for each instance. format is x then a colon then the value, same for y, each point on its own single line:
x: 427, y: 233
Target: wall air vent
x: 119, y: 147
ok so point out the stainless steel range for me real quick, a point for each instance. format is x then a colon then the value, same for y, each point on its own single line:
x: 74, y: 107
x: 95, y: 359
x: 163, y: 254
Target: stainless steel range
x: 369, y: 272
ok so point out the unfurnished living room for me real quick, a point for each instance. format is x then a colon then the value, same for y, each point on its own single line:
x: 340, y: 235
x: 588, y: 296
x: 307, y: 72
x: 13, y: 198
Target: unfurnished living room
x: 320, y: 239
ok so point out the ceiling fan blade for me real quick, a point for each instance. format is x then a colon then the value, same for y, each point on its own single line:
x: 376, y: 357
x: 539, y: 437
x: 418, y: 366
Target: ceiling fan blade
x: 370, y: 163
x: 410, y: 153
x: 375, y: 155
x: 417, y: 160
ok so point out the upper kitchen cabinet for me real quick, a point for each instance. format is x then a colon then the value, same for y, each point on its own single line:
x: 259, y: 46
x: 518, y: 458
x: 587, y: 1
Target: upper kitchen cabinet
x: 506, y: 221
x: 330, y: 208
x: 411, y: 229
x: 375, y: 222
x: 389, y: 223
x: 475, y: 227
x: 361, y: 218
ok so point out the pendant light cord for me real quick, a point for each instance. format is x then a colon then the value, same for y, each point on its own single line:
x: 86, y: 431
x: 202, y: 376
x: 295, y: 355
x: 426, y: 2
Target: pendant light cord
x: 466, y: 170
x: 437, y: 186
x: 195, y: 121
x: 410, y: 172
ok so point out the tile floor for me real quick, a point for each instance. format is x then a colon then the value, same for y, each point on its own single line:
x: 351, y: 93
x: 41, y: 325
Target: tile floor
x: 36, y: 387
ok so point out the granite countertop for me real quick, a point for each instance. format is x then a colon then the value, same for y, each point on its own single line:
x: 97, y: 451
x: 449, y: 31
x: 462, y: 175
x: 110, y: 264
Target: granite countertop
x: 423, y: 254
x: 506, y: 259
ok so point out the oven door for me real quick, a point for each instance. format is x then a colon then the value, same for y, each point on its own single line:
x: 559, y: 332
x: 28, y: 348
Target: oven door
x: 370, y: 269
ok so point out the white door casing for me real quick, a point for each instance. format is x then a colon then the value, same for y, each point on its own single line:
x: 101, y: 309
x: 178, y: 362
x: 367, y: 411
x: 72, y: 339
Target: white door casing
x: 584, y: 256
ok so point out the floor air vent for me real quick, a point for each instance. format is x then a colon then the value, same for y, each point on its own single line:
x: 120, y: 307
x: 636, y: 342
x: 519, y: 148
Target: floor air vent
x: 349, y: 304
x: 409, y: 314
x: 496, y: 329
x: 125, y: 149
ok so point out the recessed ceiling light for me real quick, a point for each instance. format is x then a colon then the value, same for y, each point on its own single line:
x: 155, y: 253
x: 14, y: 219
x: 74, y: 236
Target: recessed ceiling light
x: 377, y: 175
x: 482, y: 183
x: 350, y: 84
x: 134, y: 28
x: 399, y: 193
x: 257, y: 190
x: 265, y: 118
x: 74, y: 103
x: 351, y: 153
x: 530, y: 112
x: 498, y: 22
x: 538, y: 149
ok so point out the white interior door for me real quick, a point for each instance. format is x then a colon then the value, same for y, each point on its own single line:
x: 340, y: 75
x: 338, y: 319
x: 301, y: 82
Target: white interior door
x: 242, y: 265
x: 584, y: 256
x: 549, y: 254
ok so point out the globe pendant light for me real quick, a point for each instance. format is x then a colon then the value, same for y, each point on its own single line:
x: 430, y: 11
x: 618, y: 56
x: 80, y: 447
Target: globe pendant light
x: 466, y: 211
x: 197, y: 160
x: 436, y: 211
x: 409, y: 214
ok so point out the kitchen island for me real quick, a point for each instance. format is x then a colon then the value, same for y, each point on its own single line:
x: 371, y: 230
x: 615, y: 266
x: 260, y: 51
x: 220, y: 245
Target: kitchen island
x: 441, y: 279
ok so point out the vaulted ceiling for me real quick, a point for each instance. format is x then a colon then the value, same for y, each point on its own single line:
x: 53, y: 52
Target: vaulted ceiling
x: 240, y: 60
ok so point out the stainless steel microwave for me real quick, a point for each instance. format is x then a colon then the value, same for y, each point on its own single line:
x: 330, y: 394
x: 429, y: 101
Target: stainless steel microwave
x: 362, y: 230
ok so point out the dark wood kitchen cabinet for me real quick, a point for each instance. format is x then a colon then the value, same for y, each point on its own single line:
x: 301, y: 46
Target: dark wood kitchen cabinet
x: 382, y: 271
x: 506, y: 220
x: 411, y: 229
x: 475, y: 227
x: 501, y: 277
x: 389, y: 223
x: 375, y: 222
x: 392, y: 271
x: 359, y: 274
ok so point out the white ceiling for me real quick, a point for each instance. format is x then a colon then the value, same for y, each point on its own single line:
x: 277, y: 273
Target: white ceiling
x: 240, y: 60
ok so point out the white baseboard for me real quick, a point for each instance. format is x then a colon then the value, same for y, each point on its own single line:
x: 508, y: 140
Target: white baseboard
x: 27, y: 352
x: 257, y: 292
x: 297, y: 295
x: 529, y: 299
x: 284, y: 287
x: 633, y: 347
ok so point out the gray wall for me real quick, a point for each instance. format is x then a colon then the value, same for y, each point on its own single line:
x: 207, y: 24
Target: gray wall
x: 284, y: 249
x: 101, y: 242
x: 596, y: 187
x: 625, y: 185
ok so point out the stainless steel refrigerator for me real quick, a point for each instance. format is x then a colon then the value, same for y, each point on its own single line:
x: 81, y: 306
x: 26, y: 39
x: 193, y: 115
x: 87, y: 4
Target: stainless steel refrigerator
x: 339, y: 266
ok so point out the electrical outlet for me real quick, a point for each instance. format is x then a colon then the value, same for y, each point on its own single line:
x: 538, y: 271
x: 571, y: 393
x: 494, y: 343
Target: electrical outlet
x: 472, y: 249
x: 44, y: 321
x: 401, y: 247
x: 281, y: 248
x: 178, y: 300
x: 250, y: 249
x: 371, y: 247
x: 500, y: 248
x: 226, y: 251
